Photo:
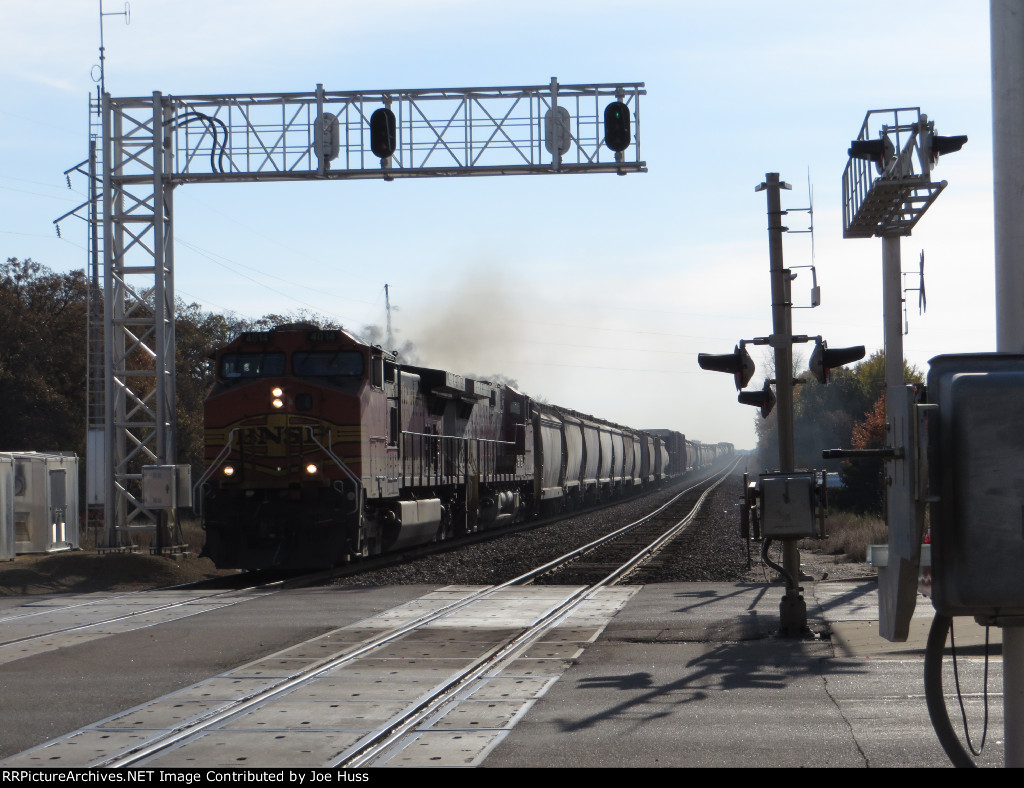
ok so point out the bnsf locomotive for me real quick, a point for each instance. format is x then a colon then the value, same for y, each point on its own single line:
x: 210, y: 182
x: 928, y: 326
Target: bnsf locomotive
x: 320, y: 448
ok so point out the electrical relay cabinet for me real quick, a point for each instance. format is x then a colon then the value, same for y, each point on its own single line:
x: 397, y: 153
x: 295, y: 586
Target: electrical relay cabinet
x: 789, y: 505
x: 166, y: 486
x: 976, y: 483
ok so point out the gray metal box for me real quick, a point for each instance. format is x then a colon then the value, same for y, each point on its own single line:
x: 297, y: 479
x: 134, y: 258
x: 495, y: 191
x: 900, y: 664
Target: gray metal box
x: 787, y: 505
x: 159, y: 486
x: 184, y: 481
x: 977, y: 466
x: 166, y: 486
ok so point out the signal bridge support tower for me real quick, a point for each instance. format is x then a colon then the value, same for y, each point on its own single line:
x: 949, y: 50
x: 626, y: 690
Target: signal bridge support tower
x: 152, y: 144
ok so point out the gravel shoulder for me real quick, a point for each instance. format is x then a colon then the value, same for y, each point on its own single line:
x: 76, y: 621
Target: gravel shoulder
x: 84, y: 571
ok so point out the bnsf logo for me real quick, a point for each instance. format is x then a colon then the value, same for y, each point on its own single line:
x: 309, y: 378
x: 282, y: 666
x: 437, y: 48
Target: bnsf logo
x: 264, y: 436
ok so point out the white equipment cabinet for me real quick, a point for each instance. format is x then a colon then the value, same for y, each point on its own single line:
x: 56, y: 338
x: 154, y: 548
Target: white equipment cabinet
x: 38, y: 502
x: 6, y: 508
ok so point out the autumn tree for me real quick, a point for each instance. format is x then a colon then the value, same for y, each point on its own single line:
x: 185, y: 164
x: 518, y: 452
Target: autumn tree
x: 42, y: 357
x: 197, y: 335
x: 829, y: 416
x: 864, y: 477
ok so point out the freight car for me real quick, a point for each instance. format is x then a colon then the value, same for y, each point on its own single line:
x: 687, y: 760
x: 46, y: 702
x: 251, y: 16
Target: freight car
x: 320, y: 448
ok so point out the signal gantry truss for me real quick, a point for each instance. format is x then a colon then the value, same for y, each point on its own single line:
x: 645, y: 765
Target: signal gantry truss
x: 324, y: 134
x: 151, y: 145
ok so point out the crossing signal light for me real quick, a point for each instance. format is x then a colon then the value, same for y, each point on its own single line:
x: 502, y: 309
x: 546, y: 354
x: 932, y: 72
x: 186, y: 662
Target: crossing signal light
x: 763, y: 399
x: 616, y: 126
x: 880, y: 151
x: 825, y: 359
x: 383, y: 133
x: 936, y: 146
x: 738, y: 364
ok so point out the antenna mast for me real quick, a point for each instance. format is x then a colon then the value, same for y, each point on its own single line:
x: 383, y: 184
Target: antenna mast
x: 127, y: 14
x: 387, y: 305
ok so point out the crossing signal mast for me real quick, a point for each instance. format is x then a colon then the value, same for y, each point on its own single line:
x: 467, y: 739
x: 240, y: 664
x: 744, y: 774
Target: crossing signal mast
x: 152, y: 145
x: 887, y: 187
x: 785, y: 504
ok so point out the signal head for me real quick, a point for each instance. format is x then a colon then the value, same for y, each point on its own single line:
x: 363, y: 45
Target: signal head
x: 738, y: 364
x: 880, y: 151
x: 383, y: 133
x: 617, y: 134
x: 763, y: 399
x: 936, y: 146
x: 825, y: 359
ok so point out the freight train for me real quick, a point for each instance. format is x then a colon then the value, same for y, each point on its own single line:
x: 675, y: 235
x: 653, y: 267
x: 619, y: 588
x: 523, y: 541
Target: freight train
x: 321, y: 448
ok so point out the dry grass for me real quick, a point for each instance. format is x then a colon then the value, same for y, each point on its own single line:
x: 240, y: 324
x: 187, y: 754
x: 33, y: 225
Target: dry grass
x: 192, y: 535
x: 81, y: 572
x: 850, y: 534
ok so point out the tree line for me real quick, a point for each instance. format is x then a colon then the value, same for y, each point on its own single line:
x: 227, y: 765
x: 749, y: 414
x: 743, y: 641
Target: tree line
x: 44, y: 318
x: 847, y: 412
x: 43, y: 374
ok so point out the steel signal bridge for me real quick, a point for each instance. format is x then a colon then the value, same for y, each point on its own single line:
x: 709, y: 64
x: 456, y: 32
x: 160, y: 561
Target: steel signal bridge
x: 150, y: 145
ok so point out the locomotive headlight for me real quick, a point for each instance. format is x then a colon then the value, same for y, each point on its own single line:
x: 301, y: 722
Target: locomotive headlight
x: 278, y: 403
x: 311, y: 468
x: 229, y: 470
x: 277, y: 392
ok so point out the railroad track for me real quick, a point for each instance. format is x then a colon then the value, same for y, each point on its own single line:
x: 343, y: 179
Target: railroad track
x: 617, y: 555
x: 47, y: 627
x: 175, y: 740
x: 366, y: 565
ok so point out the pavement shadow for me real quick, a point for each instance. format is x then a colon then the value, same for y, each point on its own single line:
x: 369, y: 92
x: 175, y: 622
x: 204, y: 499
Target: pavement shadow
x: 759, y: 666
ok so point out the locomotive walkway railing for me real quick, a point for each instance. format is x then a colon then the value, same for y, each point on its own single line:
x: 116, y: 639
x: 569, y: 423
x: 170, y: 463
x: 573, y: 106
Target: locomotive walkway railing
x: 349, y: 474
x: 429, y: 459
x: 197, y: 499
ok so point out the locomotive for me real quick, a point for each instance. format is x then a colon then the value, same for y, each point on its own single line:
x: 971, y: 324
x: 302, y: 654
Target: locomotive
x: 321, y: 448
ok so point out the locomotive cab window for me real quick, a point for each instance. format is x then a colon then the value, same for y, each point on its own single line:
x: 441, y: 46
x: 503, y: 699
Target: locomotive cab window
x: 328, y: 363
x: 252, y: 365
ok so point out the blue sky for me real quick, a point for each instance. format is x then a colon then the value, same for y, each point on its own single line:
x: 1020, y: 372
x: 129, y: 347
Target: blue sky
x: 591, y: 291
